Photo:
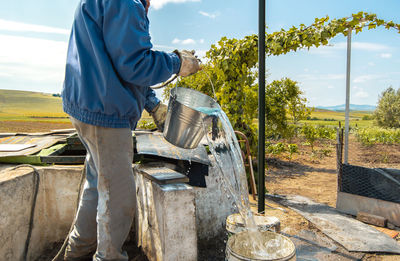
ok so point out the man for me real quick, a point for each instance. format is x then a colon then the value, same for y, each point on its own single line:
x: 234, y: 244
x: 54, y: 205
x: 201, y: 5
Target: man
x: 110, y: 65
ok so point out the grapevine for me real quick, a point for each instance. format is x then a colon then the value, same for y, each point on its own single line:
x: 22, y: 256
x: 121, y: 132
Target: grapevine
x: 321, y: 31
x: 232, y: 64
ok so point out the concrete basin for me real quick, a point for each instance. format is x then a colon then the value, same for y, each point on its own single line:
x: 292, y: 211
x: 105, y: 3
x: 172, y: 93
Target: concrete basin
x: 203, y: 210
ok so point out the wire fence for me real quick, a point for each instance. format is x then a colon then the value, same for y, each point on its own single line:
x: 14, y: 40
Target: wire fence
x: 381, y: 184
x: 378, y: 183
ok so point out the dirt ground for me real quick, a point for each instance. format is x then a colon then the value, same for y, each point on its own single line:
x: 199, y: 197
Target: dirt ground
x: 31, y: 126
x: 314, y: 175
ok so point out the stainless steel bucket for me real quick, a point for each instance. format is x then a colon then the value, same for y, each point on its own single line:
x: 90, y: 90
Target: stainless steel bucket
x: 235, y: 224
x: 281, y: 249
x: 184, y: 123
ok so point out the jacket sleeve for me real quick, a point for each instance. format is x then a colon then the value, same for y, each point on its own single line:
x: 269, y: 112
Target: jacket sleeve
x: 127, y: 39
x: 151, y: 100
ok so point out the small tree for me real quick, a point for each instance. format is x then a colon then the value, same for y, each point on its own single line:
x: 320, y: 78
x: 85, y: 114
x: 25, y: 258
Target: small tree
x: 387, y: 114
x: 284, y: 104
x: 311, y: 135
x: 292, y: 149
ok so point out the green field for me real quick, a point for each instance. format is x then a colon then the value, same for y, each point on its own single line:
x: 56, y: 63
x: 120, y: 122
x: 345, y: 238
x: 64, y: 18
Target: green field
x: 332, y: 118
x: 30, y: 106
x: 34, y: 106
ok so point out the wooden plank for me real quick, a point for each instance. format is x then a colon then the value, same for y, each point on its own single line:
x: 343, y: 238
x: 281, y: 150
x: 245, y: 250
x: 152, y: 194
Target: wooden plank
x: 40, y: 142
x: 74, y: 139
x: 33, y: 160
x: 46, y: 156
x: 352, y: 204
x: 15, y: 147
x: 5, y: 134
x: 371, y: 219
x: 391, y: 233
x: 54, y: 150
x: 63, y: 131
x: 63, y: 159
x: 72, y: 147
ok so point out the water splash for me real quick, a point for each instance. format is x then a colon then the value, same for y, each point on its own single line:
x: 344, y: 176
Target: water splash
x: 273, y: 246
x: 225, y: 148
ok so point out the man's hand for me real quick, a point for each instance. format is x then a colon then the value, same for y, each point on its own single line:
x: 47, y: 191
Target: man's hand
x: 159, y: 114
x: 189, y: 63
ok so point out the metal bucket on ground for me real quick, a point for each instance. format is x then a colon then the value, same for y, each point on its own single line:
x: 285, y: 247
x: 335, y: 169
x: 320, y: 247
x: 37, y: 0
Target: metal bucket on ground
x: 235, y: 224
x: 183, y: 124
x: 277, y: 247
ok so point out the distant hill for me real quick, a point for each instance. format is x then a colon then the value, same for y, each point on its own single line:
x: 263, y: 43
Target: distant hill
x: 353, y: 107
x: 29, y: 104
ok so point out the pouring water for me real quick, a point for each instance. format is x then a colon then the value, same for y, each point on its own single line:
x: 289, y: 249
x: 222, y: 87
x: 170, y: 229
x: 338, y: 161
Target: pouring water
x: 225, y: 148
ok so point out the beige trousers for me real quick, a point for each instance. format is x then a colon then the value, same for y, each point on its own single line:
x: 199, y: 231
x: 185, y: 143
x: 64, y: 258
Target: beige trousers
x: 108, y: 201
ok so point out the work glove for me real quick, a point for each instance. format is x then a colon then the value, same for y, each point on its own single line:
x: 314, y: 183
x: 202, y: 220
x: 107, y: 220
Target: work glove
x: 159, y: 113
x: 189, y: 63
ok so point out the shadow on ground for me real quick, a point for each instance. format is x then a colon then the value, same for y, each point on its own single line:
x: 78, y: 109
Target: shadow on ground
x: 290, y: 169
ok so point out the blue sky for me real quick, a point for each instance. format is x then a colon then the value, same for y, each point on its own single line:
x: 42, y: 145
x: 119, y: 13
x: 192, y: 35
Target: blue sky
x: 34, y: 37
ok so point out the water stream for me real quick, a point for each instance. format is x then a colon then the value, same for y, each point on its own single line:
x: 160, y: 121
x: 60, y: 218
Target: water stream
x: 225, y: 148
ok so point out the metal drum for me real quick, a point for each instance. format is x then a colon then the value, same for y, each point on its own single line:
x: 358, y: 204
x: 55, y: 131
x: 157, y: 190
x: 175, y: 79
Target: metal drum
x: 184, y: 122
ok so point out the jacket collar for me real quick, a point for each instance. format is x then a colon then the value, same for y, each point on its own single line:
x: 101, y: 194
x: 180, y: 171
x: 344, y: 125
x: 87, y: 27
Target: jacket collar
x: 144, y: 3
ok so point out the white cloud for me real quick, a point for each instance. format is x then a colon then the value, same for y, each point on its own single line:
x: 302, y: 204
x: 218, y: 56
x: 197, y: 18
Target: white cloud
x: 210, y: 15
x: 184, y: 42
x: 360, y: 93
x: 176, y: 41
x: 32, y: 60
x: 372, y: 47
x: 371, y: 64
x: 319, y: 77
x: 366, y: 78
x: 386, y: 55
x: 188, y: 41
x: 331, y: 87
x: 12, y: 26
x: 365, y: 46
x: 201, y: 41
x: 342, y: 46
x: 158, y: 4
x: 338, y: 76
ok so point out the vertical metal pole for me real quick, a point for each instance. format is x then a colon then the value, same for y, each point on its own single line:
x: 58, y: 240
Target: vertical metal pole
x: 347, y: 114
x: 261, y: 106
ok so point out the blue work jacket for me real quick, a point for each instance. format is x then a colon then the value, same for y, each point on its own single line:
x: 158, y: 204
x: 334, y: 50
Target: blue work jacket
x: 111, y: 64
